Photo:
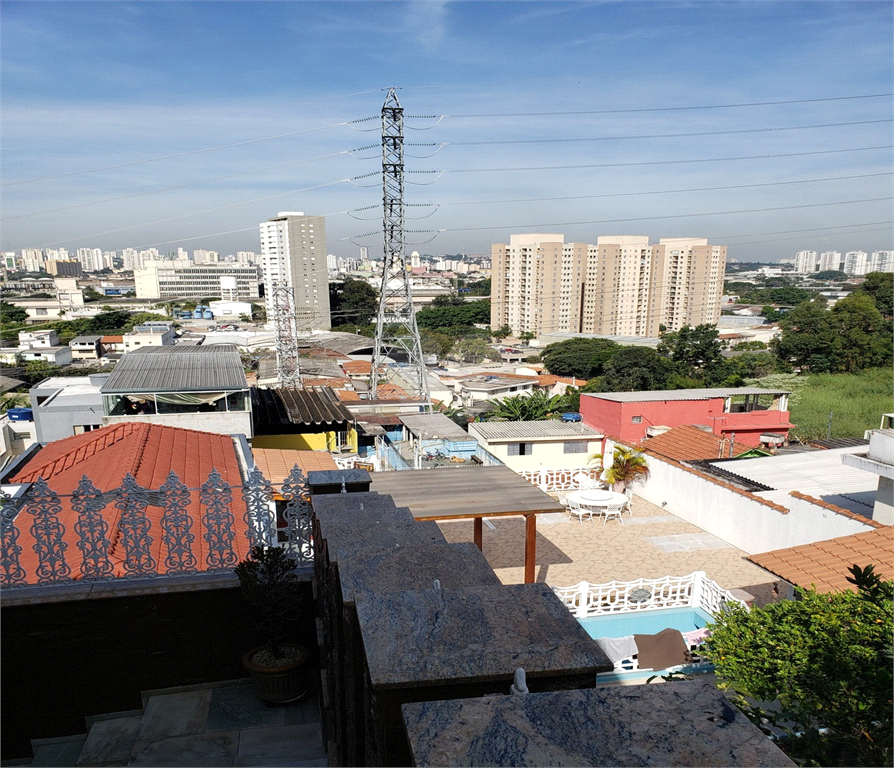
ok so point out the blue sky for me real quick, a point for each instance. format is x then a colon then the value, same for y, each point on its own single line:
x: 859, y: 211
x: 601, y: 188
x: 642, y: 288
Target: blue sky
x: 187, y: 123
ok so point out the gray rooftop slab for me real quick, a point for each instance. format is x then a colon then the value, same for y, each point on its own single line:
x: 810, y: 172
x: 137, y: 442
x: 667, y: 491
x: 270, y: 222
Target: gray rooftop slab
x: 347, y: 540
x: 431, y: 637
x: 511, y: 430
x: 679, y: 724
x: 681, y: 394
x: 434, y: 426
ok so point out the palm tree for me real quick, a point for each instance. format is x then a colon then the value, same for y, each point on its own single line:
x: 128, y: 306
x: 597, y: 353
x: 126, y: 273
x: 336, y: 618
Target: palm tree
x: 629, y: 466
x: 14, y: 400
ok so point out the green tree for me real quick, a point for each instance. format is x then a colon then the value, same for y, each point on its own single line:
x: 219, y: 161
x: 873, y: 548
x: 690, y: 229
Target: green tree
x: 862, y: 337
x: 830, y: 275
x: 538, y: 406
x: 434, y: 343
x: 353, y: 302
x: 9, y: 313
x: 825, y: 660
x: 91, y: 294
x: 446, y: 314
x: 501, y: 333
x: 473, y: 351
x: 695, y: 352
x: 880, y: 286
x: 807, y: 339
x: 629, y: 467
x: 14, y: 400
x: 636, y: 369
x: 581, y: 358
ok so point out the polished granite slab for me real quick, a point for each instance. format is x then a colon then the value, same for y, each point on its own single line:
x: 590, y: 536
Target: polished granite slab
x: 347, y: 540
x: 687, y: 723
x: 344, y: 507
x: 397, y: 569
x: 450, y: 637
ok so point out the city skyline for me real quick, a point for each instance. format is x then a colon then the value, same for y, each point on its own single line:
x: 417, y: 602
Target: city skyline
x: 764, y: 127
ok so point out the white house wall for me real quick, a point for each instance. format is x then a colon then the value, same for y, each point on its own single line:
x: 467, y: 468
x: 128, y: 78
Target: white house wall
x: 545, y: 455
x: 737, y: 517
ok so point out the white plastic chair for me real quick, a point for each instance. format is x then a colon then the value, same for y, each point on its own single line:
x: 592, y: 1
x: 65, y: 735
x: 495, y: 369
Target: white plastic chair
x: 575, y: 509
x: 585, y: 482
x: 627, y: 506
x: 615, y: 510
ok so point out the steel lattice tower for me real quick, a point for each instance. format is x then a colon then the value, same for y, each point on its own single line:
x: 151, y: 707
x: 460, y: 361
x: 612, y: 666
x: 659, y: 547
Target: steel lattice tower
x: 287, y: 373
x: 397, y: 335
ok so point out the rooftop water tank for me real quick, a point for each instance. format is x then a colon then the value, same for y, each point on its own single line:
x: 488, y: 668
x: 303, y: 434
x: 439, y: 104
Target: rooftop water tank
x: 571, y: 417
x: 20, y: 414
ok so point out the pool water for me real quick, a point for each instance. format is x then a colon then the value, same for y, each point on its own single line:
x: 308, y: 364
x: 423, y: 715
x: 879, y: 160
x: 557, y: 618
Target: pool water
x: 645, y: 622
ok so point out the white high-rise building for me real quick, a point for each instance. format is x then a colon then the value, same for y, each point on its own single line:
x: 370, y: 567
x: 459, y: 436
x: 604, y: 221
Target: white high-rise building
x: 806, y: 261
x: 829, y: 260
x: 91, y: 259
x: 856, y: 263
x: 293, y: 249
x: 881, y: 261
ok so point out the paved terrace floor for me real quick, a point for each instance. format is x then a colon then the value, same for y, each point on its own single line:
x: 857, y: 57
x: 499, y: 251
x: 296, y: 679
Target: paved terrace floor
x: 650, y: 544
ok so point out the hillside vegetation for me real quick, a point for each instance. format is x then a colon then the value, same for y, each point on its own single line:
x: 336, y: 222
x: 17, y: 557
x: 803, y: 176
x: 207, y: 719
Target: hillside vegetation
x: 856, y: 401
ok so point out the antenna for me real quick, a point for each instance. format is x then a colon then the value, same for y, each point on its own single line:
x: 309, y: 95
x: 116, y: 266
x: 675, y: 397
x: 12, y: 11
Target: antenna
x: 397, y: 335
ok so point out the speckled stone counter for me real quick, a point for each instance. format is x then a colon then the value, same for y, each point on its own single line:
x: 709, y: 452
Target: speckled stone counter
x: 427, y: 645
x: 344, y: 507
x: 676, y: 724
x: 329, y: 481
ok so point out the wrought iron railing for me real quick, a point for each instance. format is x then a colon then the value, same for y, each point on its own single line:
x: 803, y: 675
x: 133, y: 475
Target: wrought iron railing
x: 135, y: 532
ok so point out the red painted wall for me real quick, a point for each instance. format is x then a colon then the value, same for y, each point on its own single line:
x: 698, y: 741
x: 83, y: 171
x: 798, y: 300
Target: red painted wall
x: 616, y: 419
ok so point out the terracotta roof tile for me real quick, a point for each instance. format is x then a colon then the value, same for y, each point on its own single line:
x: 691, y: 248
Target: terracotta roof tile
x: 826, y: 563
x: 276, y: 463
x: 687, y: 443
x: 357, y: 366
x: 149, y: 452
x: 347, y: 395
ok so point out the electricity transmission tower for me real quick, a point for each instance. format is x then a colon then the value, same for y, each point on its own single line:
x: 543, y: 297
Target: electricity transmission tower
x: 397, y: 335
x: 287, y: 373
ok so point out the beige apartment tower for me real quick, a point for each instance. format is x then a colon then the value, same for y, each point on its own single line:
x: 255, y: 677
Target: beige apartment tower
x: 536, y: 283
x: 622, y: 286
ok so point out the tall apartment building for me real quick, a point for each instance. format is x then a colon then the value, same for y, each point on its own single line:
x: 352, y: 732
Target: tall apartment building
x: 536, y: 283
x: 856, y: 263
x: 806, y: 261
x: 293, y: 249
x: 184, y: 279
x: 881, y: 261
x: 829, y: 260
x: 91, y: 259
x: 622, y: 286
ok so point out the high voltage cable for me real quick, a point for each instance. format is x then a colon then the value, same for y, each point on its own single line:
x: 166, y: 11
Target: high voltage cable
x: 666, y: 109
x: 170, y: 157
x: 656, y: 135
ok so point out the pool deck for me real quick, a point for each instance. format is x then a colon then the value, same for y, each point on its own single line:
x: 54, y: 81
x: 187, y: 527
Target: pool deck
x: 650, y: 544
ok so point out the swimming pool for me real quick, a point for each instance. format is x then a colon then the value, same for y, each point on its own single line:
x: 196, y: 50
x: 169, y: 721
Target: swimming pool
x: 644, y: 622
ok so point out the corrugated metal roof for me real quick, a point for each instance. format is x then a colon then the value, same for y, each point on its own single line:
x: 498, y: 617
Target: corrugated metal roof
x: 434, y: 425
x: 178, y: 369
x: 821, y: 474
x: 289, y: 406
x: 681, y: 394
x: 513, y: 430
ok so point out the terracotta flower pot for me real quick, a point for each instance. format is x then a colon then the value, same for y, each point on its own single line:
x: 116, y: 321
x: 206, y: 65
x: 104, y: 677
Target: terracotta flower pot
x: 277, y: 680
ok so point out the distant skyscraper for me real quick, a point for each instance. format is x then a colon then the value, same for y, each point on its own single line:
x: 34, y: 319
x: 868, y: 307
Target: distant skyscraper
x: 881, y: 261
x: 829, y: 260
x: 856, y: 263
x: 293, y: 249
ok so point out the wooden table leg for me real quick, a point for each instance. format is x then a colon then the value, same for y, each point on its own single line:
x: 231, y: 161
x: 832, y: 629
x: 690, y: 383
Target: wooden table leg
x: 530, y: 547
x: 479, y: 532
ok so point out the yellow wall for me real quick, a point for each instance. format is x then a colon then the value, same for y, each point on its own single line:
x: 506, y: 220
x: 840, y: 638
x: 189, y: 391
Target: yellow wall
x: 319, y: 441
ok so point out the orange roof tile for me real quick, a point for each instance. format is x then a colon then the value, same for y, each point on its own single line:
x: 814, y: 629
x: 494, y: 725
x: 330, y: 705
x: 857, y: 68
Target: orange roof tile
x: 276, y: 463
x: 357, y: 366
x: 347, y: 395
x: 548, y: 380
x: 148, y: 452
x: 687, y: 443
x: 112, y: 339
x: 325, y: 381
x: 826, y: 563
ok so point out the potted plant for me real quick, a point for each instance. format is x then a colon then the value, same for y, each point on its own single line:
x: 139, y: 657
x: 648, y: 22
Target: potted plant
x: 270, y: 585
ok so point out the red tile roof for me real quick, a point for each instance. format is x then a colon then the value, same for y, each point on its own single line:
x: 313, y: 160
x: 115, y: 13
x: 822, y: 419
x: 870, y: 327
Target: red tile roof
x: 276, y: 463
x: 687, y: 443
x: 548, y: 380
x: 357, y: 366
x: 149, y: 452
x: 826, y: 563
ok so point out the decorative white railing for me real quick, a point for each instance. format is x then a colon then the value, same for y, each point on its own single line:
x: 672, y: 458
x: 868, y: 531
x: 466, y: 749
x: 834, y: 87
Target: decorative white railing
x: 558, y: 479
x: 693, y: 591
x: 135, y: 546
x: 617, y: 597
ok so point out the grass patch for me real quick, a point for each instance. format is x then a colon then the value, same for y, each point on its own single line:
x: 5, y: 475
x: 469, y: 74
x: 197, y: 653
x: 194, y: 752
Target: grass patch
x: 856, y: 401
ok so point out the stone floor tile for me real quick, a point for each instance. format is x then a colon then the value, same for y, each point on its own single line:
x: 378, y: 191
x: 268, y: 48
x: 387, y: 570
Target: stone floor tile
x: 175, y: 714
x: 203, y: 749
x: 282, y: 746
x: 236, y: 707
x: 110, y: 741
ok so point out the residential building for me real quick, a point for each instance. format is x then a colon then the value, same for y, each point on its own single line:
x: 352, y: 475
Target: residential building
x: 64, y: 268
x: 856, y: 263
x: 293, y: 251
x: 482, y: 388
x: 187, y: 280
x: 310, y: 418
x: 878, y: 460
x: 829, y: 260
x: 184, y: 386
x: 86, y: 348
x: 63, y: 406
x: 881, y: 261
x: 806, y: 261
x: 537, y: 280
x: 91, y: 259
x: 535, y: 445
x: 51, y: 355
x: 160, y: 334
x: 34, y: 339
x: 633, y: 288
x: 749, y: 415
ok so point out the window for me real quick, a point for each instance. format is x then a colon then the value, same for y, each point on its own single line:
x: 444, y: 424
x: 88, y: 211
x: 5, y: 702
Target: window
x: 637, y: 420
x: 576, y: 446
x: 521, y: 449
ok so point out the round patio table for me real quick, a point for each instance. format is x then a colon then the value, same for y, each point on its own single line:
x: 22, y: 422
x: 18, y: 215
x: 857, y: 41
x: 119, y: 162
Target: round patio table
x: 597, y: 498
